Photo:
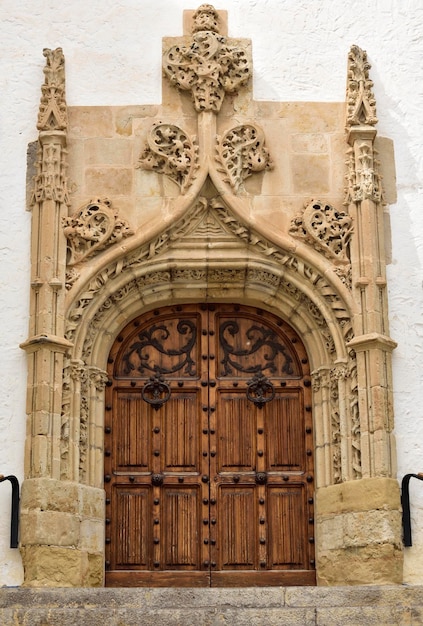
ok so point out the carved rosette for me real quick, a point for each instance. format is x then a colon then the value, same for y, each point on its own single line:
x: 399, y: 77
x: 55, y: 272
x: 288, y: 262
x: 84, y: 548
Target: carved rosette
x: 325, y: 228
x: 241, y: 153
x: 209, y: 67
x: 172, y: 152
x: 361, y: 102
x: 95, y: 227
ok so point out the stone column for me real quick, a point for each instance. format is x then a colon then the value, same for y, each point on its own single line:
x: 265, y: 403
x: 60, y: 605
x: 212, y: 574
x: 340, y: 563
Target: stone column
x: 359, y: 526
x: 52, y: 510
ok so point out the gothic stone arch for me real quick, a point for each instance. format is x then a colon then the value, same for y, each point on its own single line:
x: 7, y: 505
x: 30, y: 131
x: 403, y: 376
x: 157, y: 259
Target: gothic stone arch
x: 211, y: 209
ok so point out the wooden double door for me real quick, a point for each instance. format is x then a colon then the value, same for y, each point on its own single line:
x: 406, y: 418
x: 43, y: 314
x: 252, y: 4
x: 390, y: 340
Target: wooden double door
x: 208, y: 451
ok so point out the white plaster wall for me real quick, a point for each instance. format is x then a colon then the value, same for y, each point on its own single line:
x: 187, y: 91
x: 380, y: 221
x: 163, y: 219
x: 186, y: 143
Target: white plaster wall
x: 113, y: 56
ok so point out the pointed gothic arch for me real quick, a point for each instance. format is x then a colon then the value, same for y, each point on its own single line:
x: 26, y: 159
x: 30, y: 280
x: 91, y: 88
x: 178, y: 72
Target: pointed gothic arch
x: 321, y: 269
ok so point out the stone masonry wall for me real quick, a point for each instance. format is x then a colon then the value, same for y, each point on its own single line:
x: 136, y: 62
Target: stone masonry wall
x: 113, y: 57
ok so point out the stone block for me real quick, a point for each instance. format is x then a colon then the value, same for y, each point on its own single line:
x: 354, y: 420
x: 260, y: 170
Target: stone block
x: 52, y: 528
x: 46, y: 494
x: 91, y: 502
x: 108, y: 181
x: 360, y: 529
x: 329, y: 533
x: 373, y: 564
x: 310, y: 174
x: 364, y: 616
x: 360, y: 495
x: 94, y: 576
x: 309, y: 142
x: 316, y: 117
x: 100, y: 151
x: 91, y: 536
x: 126, y: 117
x: 50, y: 566
x: 90, y: 121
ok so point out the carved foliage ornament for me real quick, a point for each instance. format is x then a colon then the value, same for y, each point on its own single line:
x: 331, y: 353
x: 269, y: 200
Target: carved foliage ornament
x: 50, y: 183
x: 325, y: 228
x: 206, y: 18
x: 360, y: 98
x: 209, y: 67
x: 170, y: 151
x: 95, y: 227
x: 52, y: 114
x: 363, y: 178
x: 241, y: 152
x: 231, y: 224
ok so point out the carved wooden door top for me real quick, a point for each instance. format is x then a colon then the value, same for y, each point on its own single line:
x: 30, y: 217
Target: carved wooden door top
x: 208, y: 451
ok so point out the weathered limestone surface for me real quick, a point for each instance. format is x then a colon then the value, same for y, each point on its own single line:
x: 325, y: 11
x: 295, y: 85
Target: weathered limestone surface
x: 358, y: 533
x: 358, y: 606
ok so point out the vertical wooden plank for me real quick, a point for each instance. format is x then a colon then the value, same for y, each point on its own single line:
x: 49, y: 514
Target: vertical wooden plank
x: 132, y: 418
x: 180, y: 527
x: 181, y: 432
x: 287, y: 537
x: 237, y: 528
x: 131, y: 536
x: 236, y: 432
x: 285, y: 433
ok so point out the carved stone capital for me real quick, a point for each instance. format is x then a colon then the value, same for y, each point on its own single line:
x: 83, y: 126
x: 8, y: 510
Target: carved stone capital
x: 98, y: 377
x: 209, y: 66
x: 78, y: 371
x: 241, y: 152
x: 339, y: 372
x: 172, y: 152
x: 320, y: 378
x: 327, y: 229
x: 95, y: 227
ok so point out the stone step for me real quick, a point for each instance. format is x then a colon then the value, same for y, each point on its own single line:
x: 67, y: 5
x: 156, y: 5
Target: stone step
x: 305, y: 606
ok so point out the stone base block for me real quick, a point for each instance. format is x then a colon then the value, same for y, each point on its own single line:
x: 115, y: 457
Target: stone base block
x: 62, y: 534
x: 359, y: 533
x: 49, y: 566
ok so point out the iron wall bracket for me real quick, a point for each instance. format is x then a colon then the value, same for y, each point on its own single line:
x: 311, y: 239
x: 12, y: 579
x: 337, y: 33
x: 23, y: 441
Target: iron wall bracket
x: 14, y: 520
x: 405, y: 502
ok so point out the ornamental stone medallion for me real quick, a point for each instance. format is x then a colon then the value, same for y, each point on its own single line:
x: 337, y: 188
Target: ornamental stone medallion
x: 210, y: 197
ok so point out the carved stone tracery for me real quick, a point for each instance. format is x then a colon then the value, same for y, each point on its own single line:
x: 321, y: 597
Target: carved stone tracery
x: 209, y: 67
x: 52, y: 113
x: 241, y: 152
x: 92, y: 229
x: 360, y: 98
x: 171, y: 152
x: 325, y: 228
